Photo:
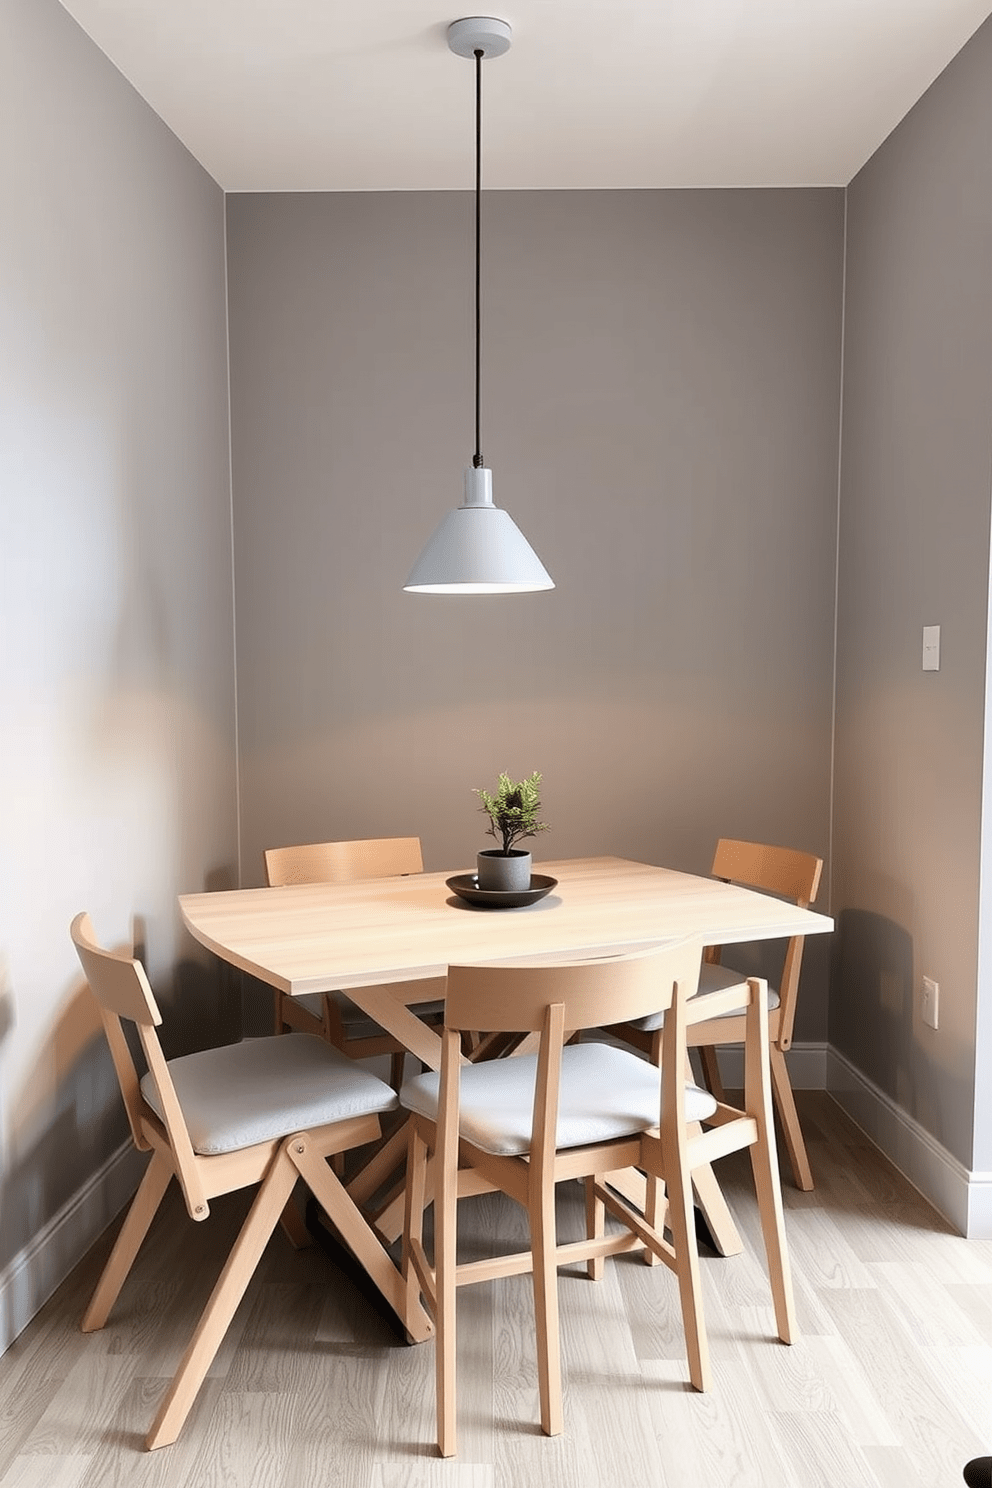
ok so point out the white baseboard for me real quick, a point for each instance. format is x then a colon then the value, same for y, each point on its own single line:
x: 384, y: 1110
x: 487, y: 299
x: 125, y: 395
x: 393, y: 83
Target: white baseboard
x: 979, y: 1225
x: 30, y: 1278
x: 962, y: 1196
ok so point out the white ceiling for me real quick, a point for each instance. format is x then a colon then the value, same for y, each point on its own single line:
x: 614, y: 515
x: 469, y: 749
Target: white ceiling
x: 363, y: 95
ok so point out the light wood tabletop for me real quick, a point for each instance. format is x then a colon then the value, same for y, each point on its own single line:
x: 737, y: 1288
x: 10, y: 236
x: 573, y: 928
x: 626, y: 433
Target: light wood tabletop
x: 325, y: 937
x: 349, y: 937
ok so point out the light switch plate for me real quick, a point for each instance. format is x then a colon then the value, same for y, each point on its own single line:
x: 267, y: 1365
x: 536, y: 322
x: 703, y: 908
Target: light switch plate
x: 929, y: 1002
x: 931, y: 648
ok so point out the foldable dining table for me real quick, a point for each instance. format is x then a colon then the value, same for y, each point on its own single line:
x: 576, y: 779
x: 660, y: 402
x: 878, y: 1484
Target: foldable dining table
x: 365, y: 938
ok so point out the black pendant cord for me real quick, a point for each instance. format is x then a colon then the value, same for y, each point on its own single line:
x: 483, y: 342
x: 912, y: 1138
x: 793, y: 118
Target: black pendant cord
x: 477, y: 457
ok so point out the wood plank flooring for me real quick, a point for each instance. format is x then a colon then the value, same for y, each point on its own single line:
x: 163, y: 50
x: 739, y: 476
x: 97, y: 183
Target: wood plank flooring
x: 889, y: 1383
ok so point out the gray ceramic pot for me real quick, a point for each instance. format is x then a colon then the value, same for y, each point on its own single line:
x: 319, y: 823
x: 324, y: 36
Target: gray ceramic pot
x: 508, y: 874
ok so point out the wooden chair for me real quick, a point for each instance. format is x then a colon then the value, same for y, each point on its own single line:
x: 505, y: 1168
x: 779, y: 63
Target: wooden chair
x: 579, y: 1110
x: 266, y: 1111
x: 792, y: 875
x: 332, y: 1015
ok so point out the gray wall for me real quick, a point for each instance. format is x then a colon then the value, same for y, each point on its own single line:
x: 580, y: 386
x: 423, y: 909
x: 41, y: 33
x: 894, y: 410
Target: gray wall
x: 661, y: 399
x: 914, y: 550
x: 117, y: 769
x: 661, y: 380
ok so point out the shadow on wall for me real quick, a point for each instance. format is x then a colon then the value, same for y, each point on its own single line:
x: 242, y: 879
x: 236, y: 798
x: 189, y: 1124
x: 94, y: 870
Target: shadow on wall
x: 871, y: 998
x: 71, y: 1121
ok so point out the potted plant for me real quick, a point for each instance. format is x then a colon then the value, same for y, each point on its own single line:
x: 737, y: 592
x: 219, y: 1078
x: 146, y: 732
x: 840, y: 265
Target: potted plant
x: 513, y: 810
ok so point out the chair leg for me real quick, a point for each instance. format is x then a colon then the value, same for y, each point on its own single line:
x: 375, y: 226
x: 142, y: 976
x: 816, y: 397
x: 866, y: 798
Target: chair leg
x: 682, y: 1224
x: 413, y: 1222
x: 785, y: 1104
x: 655, y: 1212
x: 759, y: 1059
x: 764, y: 1165
x: 544, y: 1249
x: 711, y: 1069
x: 216, y: 1318
x: 143, y: 1209
x: 766, y: 1182
x: 445, y: 1264
x: 595, y: 1225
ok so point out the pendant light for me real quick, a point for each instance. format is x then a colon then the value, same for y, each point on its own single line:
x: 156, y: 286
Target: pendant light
x: 478, y: 548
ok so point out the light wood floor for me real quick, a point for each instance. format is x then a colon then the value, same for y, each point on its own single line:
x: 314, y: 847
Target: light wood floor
x: 890, y: 1383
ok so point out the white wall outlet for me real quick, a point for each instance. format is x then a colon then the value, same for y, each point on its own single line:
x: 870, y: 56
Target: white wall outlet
x: 931, y: 648
x: 928, y: 1004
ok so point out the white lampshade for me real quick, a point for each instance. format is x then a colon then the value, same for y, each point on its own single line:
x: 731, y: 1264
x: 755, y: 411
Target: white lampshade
x: 478, y: 549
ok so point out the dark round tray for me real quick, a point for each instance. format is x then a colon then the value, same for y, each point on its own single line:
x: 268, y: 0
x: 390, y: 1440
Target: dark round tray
x: 466, y: 886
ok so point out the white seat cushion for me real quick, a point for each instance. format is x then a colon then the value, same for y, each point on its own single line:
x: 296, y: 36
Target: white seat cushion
x: 262, y: 1088
x: 605, y: 1093
x: 712, y: 978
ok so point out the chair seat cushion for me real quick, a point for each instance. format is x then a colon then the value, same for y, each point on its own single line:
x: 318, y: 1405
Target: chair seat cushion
x: 606, y: 1093
x: 712, y: 978
x: 262, y: 1088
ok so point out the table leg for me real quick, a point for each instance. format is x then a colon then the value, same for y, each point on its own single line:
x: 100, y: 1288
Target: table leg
x: 712, y: 1205
x: 380, y: 1168
x: 397, y: 1018
x: 362, y: 1241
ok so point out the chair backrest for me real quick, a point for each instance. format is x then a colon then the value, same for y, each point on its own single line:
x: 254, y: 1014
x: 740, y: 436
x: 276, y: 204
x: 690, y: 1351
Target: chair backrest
x: 120, y: 986
x: 343, y: 862
x: 594, y: 993
x: 554, y: 1001
x: 121, y: 989
x: 785, y: 871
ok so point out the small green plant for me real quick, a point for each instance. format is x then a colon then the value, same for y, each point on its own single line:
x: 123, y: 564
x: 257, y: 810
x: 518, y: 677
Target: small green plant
x: 513, y: 810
